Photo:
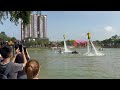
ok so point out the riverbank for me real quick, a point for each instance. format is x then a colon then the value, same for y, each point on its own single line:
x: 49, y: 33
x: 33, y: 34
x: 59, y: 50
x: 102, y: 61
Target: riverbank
x: 110, y: 46
x: 37, y: 48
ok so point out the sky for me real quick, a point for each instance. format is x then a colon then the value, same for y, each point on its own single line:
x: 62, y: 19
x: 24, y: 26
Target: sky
x: 74, y: 24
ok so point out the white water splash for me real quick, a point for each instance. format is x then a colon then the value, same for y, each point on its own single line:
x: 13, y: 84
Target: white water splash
x: 88, y: 48
x: 95, y: 51
x: 94, y: 48
x: 66, y: 50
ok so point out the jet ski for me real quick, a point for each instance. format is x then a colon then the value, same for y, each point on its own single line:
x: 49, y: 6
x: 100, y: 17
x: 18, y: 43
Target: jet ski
x: 74, y: 52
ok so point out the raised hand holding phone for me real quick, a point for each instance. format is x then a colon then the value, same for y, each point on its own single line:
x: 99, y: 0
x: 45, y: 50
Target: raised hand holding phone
x: 20, y: 48
x: 25, y: 61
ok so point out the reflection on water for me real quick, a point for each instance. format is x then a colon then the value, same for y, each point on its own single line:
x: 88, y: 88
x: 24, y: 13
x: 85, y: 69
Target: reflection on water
x: 66, y: 66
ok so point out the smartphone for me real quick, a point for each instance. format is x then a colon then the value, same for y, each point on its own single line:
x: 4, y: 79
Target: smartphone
x: 24, y: 49
x: 20, y: 48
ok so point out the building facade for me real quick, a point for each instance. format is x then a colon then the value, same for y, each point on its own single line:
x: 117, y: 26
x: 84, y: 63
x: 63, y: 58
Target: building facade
x: 37, y: 28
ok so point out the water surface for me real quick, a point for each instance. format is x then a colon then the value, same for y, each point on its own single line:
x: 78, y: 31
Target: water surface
x: 67, y: 66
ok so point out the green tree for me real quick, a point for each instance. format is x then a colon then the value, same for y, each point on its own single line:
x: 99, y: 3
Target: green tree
x: 114, y: 41
x: 3, y: 36
x: 15, y: 16
x: 72, y: 42
x: 115, y: 37
x: 62, y: 43
x: 13, y: 39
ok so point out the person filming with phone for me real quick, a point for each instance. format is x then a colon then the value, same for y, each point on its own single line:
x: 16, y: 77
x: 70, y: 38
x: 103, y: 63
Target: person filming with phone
x: 19, y: 59
x: 9, y: 69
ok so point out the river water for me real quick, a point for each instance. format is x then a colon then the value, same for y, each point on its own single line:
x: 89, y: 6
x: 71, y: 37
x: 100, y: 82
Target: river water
x: 68, y: 66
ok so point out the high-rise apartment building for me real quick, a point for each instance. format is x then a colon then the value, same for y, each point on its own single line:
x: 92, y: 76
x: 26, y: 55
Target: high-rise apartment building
x: 44, y: 26
x: 37, y: 27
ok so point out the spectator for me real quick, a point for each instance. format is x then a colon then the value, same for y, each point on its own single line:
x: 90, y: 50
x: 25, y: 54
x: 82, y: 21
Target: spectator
x: 19, y: 59
x: 32, y: 69
x: 7, y: 54
x: 1, y: 56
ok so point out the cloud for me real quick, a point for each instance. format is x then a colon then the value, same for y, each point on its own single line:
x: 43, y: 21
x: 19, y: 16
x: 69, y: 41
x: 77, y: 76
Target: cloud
x: 83, y: 34
x: 108, y: 29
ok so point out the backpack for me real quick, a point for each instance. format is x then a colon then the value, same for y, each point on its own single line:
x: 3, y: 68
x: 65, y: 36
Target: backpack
x: 8, y: 67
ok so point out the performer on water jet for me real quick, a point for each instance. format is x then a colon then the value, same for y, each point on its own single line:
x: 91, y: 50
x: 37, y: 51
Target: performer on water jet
x: 66, y: 49
x: 64, y: 36
x: 89, y: 36
x: 96, y: 53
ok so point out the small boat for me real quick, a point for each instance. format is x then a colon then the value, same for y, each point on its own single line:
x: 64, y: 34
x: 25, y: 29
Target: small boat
x: 74, y: 52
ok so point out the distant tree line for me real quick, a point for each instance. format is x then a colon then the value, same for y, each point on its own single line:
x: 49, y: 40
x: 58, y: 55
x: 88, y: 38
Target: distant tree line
x: 112, y: 42
x: 31, y: 42
x: 61, y: 43
x: 4, y: 37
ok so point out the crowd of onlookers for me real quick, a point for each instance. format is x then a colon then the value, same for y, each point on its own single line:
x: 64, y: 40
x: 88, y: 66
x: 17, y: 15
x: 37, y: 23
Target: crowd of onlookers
x: 19, y: 65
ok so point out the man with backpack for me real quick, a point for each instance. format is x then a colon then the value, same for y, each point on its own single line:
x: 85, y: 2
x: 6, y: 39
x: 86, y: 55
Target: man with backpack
x: 9, y: 69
